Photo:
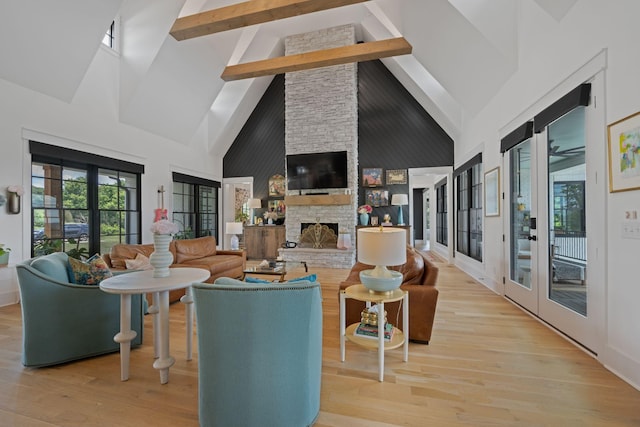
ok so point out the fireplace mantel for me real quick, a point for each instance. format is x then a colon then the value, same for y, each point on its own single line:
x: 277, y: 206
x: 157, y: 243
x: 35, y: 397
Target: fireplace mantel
x: 318, y: 199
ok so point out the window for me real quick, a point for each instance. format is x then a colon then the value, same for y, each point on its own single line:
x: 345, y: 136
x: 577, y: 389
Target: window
x: 469, y: 208
x: 195, y: 206
x: 442, y: 234
x: 82, y: 203
x: 110, y: 38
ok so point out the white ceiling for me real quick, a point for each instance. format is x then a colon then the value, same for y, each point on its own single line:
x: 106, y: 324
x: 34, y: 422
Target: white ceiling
x: 463, y: 52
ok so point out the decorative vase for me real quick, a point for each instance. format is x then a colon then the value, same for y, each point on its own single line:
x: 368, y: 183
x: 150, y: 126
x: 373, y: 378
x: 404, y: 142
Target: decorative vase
x: 364, y: 219
x: 161, y: 258
x: 270, y: 221
x: 13, y: 203
x: 4, y: 259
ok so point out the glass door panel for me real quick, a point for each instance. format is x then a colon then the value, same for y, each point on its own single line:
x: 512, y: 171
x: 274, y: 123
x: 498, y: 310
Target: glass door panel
x: 567, y: 211
x: 520, y: 188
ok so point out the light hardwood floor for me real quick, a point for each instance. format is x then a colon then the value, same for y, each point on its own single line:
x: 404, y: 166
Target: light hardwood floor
x: 488, y: 364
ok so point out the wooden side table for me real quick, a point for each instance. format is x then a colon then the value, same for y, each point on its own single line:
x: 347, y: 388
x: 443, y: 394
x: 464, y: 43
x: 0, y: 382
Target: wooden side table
x: 360, y: 293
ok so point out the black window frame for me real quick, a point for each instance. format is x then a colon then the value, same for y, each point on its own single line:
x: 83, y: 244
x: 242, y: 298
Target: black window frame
x: 442, y: 226
x: 469, y: 208
x: 197, y: 187
x: 92, y: 164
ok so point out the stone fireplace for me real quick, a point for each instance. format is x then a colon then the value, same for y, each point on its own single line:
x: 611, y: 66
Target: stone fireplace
x: 321, y: 115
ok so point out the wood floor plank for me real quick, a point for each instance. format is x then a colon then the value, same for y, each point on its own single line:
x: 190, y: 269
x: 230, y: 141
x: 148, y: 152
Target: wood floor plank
x: 488, y: 363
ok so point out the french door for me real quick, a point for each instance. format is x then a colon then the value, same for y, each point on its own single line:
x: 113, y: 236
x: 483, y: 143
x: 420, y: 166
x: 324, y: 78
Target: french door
x: 554, y: 223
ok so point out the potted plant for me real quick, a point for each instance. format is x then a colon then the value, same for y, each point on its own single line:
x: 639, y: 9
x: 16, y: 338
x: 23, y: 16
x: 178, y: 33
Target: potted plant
x: 4, y: 255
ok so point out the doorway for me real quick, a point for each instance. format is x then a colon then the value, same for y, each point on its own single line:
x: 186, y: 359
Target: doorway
x: 553, y: 207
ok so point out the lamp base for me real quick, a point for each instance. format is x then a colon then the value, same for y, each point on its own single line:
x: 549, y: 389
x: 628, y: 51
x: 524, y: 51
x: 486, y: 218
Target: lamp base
x: 235, y: 242
x: 381, y: 280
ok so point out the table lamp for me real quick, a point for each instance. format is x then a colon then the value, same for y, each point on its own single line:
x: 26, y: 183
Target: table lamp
x: 381, y: 246
x: 253, y: 204
x: 400, y: 200
x: 234, y: 228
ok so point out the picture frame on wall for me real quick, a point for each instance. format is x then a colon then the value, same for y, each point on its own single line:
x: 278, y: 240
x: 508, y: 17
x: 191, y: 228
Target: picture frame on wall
x: 372, y: 177
x: 277, y: 186
x: 492, y: 192
x: 377, y: 198
x: 624, y: 154
x: 396, y: 176
x: 278, y: 206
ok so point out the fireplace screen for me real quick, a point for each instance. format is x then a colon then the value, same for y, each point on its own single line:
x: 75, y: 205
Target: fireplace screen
x: 319, y: 236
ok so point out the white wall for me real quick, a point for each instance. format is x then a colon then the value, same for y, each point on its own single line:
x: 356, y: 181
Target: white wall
x: 550, y: 51
x: 88, y: 123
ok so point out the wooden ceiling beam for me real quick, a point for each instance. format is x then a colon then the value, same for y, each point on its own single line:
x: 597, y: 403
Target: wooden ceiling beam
x: 319, y: 58
x: 248, y: 13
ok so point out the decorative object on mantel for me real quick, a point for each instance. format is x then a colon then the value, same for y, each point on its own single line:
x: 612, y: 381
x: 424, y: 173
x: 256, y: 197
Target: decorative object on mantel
x: 254, y: 204
x: 400, y: 200
x: 381, y: 247
x: 162, y: 258
x: 14, y: 193
x: 364, y: 211
x: 344, y: 239
x: 234, y: 228
x: 4, y: 255
x: 386, y: 220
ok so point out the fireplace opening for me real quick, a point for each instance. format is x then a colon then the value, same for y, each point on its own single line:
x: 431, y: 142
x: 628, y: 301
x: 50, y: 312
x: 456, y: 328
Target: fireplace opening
x: 318, y: 235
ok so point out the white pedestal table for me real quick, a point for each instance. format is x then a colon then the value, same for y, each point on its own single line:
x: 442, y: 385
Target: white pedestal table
x: 142, y: 282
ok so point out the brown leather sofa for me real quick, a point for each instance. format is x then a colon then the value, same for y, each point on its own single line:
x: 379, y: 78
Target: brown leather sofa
x: 419, y: 279
x: 197, y: 253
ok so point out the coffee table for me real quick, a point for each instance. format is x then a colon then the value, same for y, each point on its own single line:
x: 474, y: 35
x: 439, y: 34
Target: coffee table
x: 142, y: 282
x: 281, y: 269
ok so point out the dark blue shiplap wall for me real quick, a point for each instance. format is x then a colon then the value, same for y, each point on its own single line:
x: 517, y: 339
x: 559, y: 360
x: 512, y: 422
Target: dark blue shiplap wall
x: 394, y: 132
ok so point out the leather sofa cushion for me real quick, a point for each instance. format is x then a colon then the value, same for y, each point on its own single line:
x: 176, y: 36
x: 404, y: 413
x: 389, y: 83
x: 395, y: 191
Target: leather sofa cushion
x: 216, y: 263
x: 122, y: 252
x: 193, y: 249
x: 413, y: 269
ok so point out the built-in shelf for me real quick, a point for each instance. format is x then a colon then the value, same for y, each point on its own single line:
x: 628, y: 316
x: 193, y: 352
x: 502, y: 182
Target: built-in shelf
x: 318, y: 199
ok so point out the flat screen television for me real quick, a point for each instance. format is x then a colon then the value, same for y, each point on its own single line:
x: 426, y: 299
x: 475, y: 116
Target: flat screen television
x: 317, y: 170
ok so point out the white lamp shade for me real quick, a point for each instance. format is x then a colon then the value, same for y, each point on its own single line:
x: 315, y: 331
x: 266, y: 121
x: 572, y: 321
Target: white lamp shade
x: 399, y: 199
x: 254, y: 203
x: 382, y: 246
x: 234, y: 228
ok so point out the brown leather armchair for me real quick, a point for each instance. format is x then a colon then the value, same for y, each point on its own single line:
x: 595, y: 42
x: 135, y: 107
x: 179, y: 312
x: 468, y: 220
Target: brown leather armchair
x: 419, y: 279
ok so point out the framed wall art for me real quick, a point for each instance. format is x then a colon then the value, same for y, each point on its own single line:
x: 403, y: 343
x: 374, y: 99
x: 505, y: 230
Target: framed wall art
x: 624, y: 154
x: 396, y: 176
x: 277, y: 186
x: 377, y: 198
x: 492, y: 192
x: 372, y: 177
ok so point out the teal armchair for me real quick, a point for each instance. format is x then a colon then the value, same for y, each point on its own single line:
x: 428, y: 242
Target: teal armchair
x: 259, y: 353
x: 61, y: 321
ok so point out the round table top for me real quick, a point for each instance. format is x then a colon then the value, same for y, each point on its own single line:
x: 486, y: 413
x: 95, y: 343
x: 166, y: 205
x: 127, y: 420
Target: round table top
x: 360, y: 293
x: 139, y: 282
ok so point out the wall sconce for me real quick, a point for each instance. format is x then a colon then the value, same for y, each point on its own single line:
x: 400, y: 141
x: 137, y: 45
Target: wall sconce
x: 14, y: 194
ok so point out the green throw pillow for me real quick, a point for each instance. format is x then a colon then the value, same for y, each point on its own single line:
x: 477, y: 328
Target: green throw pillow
x: 90, y: 272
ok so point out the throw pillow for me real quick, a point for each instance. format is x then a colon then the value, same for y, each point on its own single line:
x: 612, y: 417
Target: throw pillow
x: 141, y: 262
x: 249, y: 279
x: 90, y: 272
x: 310, y: 277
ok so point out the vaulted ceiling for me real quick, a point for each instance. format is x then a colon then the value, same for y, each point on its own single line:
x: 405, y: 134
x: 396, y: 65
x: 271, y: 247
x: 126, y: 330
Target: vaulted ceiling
x: 463, y: 52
